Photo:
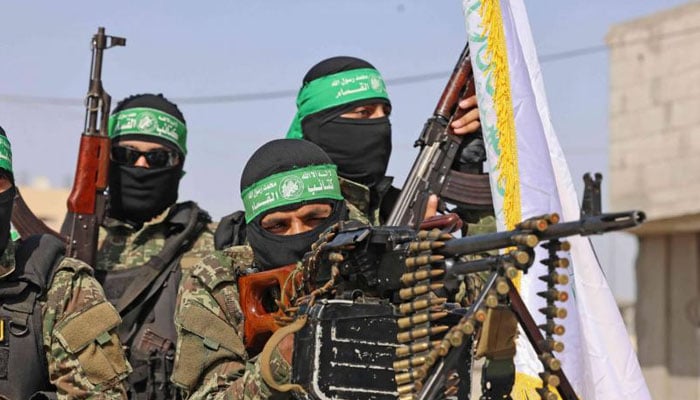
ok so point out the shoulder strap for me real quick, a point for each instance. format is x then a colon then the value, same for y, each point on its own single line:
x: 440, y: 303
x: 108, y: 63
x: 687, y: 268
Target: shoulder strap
x: 193, y: 220
x: 230, y: 231
x: 37, y: 256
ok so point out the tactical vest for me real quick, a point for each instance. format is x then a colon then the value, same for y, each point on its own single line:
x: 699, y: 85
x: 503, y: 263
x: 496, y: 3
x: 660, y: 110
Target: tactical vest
x: 145, y: 297
x: 23, y: 364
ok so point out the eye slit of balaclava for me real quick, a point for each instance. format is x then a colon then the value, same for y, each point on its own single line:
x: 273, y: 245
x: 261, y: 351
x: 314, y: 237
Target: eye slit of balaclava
x: 359, y: 147
x: 278, y: 161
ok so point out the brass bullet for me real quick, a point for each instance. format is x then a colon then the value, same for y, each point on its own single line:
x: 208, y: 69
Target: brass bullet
x: 553, y: 345
x: 425, y: 245
x: 549, y: 379
x: 405, y: 389
x: 415, y: 348
x: 525, y: 240
x: 556, y: 262
x: 435, y: 234
x: 550, y: 362
x: 491, y: 300
x: 480, y: 315
x: 414, y: 334
x: 456, y: 338
x: 511, y: 272
x: 551, y: 328
x: 501, y: 285
x: 412, y: 277
x: 418, y: 319
x: 534, y: 224
x: 422, y: 304
x: 414, y: 262
x: 468, y: 327
x: 444, y: 347
x: 408, y: 363
x: 554, y: 295
x: 407, y: 397
x: 411, y: 292
x: 555, y: 278
x: 521, y: 257
x: 545, y: 394
x: 406, y: 377
x: 554, y: 312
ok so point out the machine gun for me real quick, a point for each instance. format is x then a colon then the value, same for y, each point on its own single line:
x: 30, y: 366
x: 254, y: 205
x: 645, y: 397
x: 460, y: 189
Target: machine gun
x: 386, y: 266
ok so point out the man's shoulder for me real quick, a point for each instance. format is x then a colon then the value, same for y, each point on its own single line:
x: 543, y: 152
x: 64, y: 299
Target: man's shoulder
x: 222, y: 265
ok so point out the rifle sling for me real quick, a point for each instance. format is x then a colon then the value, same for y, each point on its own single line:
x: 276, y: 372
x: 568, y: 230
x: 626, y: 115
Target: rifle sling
x: 160, y: 265
x: 467, y: 189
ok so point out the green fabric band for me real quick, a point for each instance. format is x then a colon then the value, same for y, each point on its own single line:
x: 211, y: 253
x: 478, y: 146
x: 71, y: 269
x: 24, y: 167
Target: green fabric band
x: 5, y: 154
x: 314, y: 182
x: 149, y: 121
x: 334, y: 90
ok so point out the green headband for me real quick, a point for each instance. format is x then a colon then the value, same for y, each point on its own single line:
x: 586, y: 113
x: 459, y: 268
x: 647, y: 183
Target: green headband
x: 314, y: 182
x: 5, y: 154
x: 334, y: 90
x: 149, y: 121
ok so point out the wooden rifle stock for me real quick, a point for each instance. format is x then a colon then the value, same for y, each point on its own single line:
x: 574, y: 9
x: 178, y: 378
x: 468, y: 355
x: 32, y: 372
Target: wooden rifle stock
x: 259, y: 323
x: 87, y: 200
x: 26, y: 222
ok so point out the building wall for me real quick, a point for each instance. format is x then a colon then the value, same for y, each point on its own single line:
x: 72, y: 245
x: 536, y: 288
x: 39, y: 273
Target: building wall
x: 655, y: 166
x: 655, y: 113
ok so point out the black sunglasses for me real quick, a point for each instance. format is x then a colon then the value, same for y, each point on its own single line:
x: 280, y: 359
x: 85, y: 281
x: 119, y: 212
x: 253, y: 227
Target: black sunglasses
x: 156, y: 158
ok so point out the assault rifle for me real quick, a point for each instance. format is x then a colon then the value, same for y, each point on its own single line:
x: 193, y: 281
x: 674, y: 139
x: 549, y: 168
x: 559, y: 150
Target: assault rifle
x: 88, y: 197
x: 393, y: 264
x: 433, y: 172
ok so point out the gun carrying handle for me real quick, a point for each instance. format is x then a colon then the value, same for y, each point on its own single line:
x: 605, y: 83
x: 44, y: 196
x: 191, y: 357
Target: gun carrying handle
x: 266, y: 356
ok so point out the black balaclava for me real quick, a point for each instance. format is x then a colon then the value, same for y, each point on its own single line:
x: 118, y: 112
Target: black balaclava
x: 271, y: 250
x: 138, y: 194
x: 360, y: 148
x: 7, y: 197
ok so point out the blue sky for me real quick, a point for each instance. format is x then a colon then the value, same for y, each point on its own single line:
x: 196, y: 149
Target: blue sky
x: 188, y: 49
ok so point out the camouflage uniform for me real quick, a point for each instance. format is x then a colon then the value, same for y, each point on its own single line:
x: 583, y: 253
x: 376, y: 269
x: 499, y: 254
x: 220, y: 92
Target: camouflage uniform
x: 122, y: 247
x: 84, y: 356
x: 123, y: 251
x: 357, y: 198
x: 211, y: 361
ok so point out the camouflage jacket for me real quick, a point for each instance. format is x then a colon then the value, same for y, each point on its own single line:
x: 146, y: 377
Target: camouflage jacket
x: 85, y: 358
x: 121, y: 246
x: 211, y: 361
x: 357, y: 198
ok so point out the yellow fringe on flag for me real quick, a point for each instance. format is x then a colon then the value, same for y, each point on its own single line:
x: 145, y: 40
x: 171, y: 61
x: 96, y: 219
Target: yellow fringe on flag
x: 508, y: 179
x: 507, y: 165
x: 526, y: 386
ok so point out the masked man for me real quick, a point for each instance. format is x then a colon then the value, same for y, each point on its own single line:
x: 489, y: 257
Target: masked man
x: 57, y: 331
x: 149, y: 239
x: 291, y: 194
x: 352, y: 125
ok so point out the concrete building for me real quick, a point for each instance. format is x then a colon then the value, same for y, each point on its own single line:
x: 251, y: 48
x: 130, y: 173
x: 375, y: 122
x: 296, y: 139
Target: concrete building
x: 655, y: 166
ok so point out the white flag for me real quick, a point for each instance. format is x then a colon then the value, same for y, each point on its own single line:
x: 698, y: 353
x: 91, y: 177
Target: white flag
x: 529, y: 177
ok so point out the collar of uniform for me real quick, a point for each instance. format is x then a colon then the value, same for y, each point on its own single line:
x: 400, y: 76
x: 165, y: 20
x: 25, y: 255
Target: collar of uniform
x: 7, y: 260
x: 116, y: 223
